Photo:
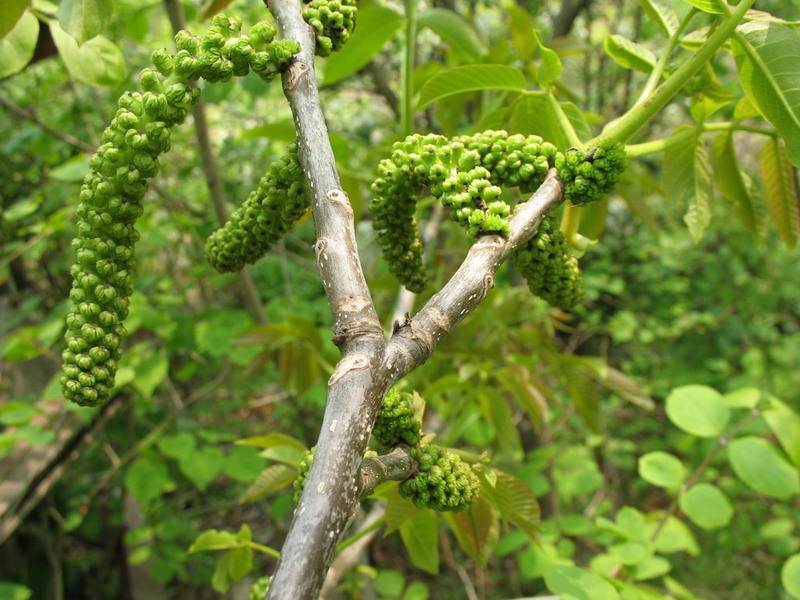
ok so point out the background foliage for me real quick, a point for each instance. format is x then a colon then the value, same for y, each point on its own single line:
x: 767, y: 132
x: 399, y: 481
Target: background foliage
x: 657, y: 424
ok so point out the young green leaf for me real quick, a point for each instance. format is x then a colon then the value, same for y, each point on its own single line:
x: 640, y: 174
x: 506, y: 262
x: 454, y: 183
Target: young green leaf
x: 790, y: 575
x: 454, y: 30
x: 470, y: 78
x: 715, y: 7
x: 97, y: 62
x: 698, y: 409
x: 271, y: 478
x: 733, y: 184
x: 11, y: 13
x: 420, y: 535
x: 785, y: 424
x: 629, y: 54
x: 662, y: 469
x: 706, y: 506
x: 84, y: 19
x: 780, y: 183
x: 476, y: 529
x: 662, y: 14
x: 18, y: 45
x: 376, y: 26
x: 762, y: 468
x: 765, y: 55
x: 572, y: 582
x: 687, y: 176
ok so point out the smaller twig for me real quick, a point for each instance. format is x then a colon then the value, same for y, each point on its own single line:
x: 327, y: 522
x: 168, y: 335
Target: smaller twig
x: 25, y: 247
x: 29, y: 115
x: 395, y: 466
x: 447, y: 552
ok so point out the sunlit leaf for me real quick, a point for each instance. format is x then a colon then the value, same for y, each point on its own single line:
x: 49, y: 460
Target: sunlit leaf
x: 470, y: 78
x: 420, y: 535
x: 271, y: 478
x: 629, y: 54
x: 698, y: 409
x: 766, y: 56
x: 18, y: 45
x: 97, y: 62
x: 11, y: 13
x: 577, y: 584
x: 659, y: 12
x: 780, y: 183
x: 454, y: 30
x: 84, y: 19
x: 759, y: 465
x: 662, y: 469
x: 706, y: 506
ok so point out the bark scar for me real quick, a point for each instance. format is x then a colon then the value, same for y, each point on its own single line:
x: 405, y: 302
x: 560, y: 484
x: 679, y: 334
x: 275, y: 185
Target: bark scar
x: 488, y: 283
x: 339, y: 197
x: 352, y: 362
x: 294, y: 74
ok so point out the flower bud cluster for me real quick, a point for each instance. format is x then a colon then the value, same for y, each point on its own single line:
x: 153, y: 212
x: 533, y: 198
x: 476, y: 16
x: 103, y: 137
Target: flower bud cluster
x: 590, y: 176
x: 112, y: 192
x: 551, y: 271
x: 443, y: 482
x: 396, y: 423
x: 333, y: 22
x: 465, y: 174
x: 266, y: 215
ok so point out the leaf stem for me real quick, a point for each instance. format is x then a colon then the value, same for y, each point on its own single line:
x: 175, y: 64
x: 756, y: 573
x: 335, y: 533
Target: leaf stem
x: 627, y: 125
x: 407, y: 69
x: 658, y: 69
x: 654, y: 146
x: 361, y: 533
x: 265, y: 549
x: 563, y: 121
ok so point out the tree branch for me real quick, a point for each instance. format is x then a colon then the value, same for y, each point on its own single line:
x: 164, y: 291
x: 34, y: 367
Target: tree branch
x: 332, y: 491
x: 365, y: 371
x: 413, y: 342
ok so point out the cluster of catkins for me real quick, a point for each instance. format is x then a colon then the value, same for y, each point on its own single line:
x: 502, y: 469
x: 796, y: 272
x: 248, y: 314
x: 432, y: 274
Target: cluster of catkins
x: 442, y: 482
x: 265, y: 216
x: 466, y: 174
x: 110, y: 199
x: 333, y: 22
x: 590, y: 176
x: 546, y: 264
x: 396, y: 423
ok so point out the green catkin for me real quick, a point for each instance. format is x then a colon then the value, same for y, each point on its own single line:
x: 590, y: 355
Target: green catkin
x: 333, y: 22
x: 278, y: 202
x: 589, y: 176
x: 396, y: 423
x: 111, y: 195
x: 551, y: 271
x: 465, y: 174
x: 443, y: 481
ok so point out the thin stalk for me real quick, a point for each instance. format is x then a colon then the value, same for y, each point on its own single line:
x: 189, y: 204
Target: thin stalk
x: 563, y: 121
x: 627, y: 125
x: 407, y: 71
x: 361, y: 533
x: 654, y: 146
x: 570, y: 221
x: 658, y: 69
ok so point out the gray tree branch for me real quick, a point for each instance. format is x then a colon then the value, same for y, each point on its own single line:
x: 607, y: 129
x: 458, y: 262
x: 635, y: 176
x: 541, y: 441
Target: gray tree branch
x: 368, y: 367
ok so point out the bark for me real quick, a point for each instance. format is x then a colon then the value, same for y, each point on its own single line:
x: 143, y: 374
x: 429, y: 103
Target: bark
x: 369, y: 365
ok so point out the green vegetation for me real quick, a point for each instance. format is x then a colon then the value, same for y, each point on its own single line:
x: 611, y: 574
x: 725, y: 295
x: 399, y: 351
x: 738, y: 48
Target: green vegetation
x: 630, y: 430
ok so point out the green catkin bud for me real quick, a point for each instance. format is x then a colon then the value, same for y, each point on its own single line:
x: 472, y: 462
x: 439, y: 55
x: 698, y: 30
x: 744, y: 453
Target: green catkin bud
x: 333, y: 22
x: 396, y: 423
x: 110, y: 199
x: 551, y: 271
x: 466, y: 175
x: 443, y: 481
x: 305, y: 466
x: 259, y: 588
x: 278, y: 202
x: 588, y: 176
